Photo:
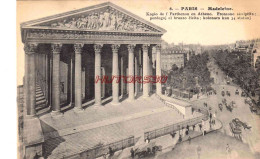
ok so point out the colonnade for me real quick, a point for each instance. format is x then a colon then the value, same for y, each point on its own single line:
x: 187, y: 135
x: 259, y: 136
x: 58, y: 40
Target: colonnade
x: 54, y: 68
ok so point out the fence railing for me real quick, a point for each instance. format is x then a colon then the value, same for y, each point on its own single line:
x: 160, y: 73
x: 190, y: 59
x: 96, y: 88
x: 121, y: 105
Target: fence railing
x: 173, y: 128
x: 194, y: 108
x: 169, y: 105
x: 101, y: 149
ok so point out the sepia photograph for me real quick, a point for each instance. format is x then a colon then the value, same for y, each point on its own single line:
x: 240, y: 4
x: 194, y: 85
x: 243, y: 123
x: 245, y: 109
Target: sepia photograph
x: 121, y: 79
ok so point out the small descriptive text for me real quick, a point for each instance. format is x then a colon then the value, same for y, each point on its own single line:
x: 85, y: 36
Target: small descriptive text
x: 195, y: 13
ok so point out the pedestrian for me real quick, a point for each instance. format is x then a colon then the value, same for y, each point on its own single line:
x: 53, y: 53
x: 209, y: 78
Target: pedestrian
x: 193, y: 127
x: 198, y: 151
x: 186, y: 132
x: 228, y: 151
x: 188, y: 127
x: 111, y: 152
x: 180, y: 138
x: 189, y: 139
x: 132, y: 153
x: 36, y: 156
x: 200, y: 126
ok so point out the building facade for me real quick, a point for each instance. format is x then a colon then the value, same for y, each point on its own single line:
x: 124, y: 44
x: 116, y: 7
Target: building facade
x: 65, y: 54
x: 172, y: 56
x: 251, y: 49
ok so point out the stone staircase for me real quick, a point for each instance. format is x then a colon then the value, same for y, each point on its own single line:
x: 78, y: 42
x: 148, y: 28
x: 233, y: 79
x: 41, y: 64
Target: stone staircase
x: 40, y: 98
x: 73, y: 144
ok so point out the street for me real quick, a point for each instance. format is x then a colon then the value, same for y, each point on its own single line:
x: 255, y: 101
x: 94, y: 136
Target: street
x: 216, y: 142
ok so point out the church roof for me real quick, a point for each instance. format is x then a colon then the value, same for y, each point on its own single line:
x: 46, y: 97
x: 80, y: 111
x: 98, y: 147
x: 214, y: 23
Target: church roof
x: 105, y: 17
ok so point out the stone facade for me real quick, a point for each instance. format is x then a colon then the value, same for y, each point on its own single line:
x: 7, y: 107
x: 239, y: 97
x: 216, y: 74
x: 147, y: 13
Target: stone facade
x: 65, y: 53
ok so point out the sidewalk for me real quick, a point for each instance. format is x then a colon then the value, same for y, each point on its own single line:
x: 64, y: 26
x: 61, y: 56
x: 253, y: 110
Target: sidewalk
x: 167, y: 142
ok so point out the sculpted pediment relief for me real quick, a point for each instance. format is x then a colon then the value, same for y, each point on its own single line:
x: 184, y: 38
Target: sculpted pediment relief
x: 107, y: 18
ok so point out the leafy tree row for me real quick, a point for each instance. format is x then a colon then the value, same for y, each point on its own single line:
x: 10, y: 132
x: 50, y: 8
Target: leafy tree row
x: 237, y: 66
x: 195, y: 72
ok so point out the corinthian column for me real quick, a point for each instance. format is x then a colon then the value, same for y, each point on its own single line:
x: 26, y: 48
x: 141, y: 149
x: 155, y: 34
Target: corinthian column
x: 122, y: 74
x: 97, y: 48
x: 30, y: 78
x: 56, y: 49
x: 115, y: 73
x: 158, y: 69
x: 131, y: 74
x: 78, y: 84
x: 136, y: 74
x: 145, y: 70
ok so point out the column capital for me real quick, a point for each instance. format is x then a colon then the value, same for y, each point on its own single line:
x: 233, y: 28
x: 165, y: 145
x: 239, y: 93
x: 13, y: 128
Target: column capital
x: 78, y: 47
x: 115, y: 48
x: 158, y: 47
x: 145, y: 46
x: 97, y: 48
x: 30, y: 48
x: 130, y: 47
x: 56, y: 48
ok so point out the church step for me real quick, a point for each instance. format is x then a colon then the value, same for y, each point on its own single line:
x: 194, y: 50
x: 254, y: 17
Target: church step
x: 40, y: 98
x: 39, y: 95
x: 40, y: 102
x: 38, y: 89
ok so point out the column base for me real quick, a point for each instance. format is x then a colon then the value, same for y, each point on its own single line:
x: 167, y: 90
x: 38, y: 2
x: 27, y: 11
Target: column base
x: 97, y: 104
x: 115, y: 103
x: 145, y: 96
x: 130, y: 100
x: 30, y: 117
x: 56, y: 113
x: 159, y: 94
x: 78, y: 109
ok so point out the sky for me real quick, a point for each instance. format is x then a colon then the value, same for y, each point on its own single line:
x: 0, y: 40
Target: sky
x: 187, y: 31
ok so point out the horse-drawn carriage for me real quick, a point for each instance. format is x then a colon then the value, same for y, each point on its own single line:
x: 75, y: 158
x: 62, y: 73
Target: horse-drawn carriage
x: 228, y: 93
x: 235, y: 130
x: 148, y: 150
x: 224, y: 101
x: 237, y: 92
x: 248, y: 101
x: 229, y: 107
x: 253, y: 108
x: 243, y: 94
x: 241, y: 124
x: 220, y: 106
x: 223, y: 93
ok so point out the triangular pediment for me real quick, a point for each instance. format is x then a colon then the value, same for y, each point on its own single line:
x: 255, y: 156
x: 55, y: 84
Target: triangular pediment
x: 103, y: 17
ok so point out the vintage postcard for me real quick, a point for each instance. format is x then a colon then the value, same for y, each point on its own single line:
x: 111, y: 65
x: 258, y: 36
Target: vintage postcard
x: 123, y: 79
